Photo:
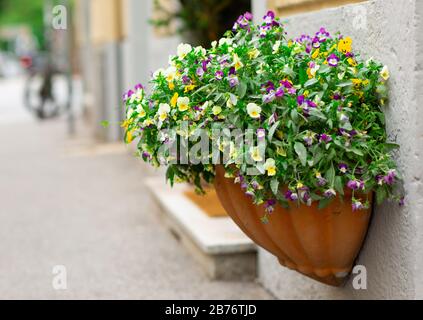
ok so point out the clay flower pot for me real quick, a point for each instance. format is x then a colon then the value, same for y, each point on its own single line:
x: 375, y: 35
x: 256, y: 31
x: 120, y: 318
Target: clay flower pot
x: 321, y: 244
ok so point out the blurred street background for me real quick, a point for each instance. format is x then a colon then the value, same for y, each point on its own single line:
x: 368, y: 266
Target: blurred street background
x: 71, y: 194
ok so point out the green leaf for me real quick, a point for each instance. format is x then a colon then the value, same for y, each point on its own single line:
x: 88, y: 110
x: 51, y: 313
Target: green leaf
x: 330, y: 175
x: 380, y: 195
x: 345, y: 84
x: 324, y: 69
x: 272, y: 130
x: 338, y: 185
x: 303, y: 75
x: 301, y: 151
x: 274, y: 186
x: 310, y: 82
x: 317, y: 113
x: 105, y: 124
x: 324, y: 203
x: 288, y: 71
x: 170, y: 175
x: 294, y: 115
x: 356, y: 151
x: 388, y: 147
x: 347, y: 126
x: 242, y: 89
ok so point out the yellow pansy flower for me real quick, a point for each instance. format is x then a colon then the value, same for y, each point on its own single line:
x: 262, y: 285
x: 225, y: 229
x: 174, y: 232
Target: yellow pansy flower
x: 237, y: 62
x: 142, y: 113
x: 182, y: 103
x: 385, y: 73
x: 270, y: 167
x: 171, y: 85
x: 345, y: 45
x: 254, y: 53
x: 129, y: 136
x: 174, y: 100
x: 216, y: 110
x: 147, y: 122
x: 315, y: 53
x: 352, y: 62
x: 125, y: 124
x: 189, y: 88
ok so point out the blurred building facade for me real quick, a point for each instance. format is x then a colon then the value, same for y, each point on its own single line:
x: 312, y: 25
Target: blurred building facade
x: 118, y: 48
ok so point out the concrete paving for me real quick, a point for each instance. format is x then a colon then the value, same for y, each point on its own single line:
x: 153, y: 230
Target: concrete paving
x: 73, y: 203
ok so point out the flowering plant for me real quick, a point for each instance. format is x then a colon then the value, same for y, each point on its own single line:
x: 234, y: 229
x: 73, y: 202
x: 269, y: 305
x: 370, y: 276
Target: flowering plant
x: 308, y: 113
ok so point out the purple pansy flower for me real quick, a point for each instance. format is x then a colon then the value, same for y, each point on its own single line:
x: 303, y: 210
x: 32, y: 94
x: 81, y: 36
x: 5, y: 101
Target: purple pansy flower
x: 357, y: 205
x: 322, y: 35
x: 292, y: 196
x: 255, y: 185
x: 333, y: 60
x: 401, y: 202
x: 146, y: 155
x: 200, y: 72
x: 325, y: 138
x: 321, y: 181
x: 261, y: 134
x: 186, y: 80
x: 219, y: 75
x: 343, y: 167
x: 269, y: 205
x: 139, y: 86
x: 280, y: 92
x: 390, y: 177
x: 233, y: 81
x: 269, y: 17
x: 267, y: 98
x: 239, y: 178
x: 264, y: 30
x: 243, y: 21
x: 329, y: 193
x: 355, y: 184
x: 315, y: 43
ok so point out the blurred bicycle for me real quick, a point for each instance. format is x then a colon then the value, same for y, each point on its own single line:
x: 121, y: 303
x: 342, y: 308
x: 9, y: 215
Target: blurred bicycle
x: 46, y: 89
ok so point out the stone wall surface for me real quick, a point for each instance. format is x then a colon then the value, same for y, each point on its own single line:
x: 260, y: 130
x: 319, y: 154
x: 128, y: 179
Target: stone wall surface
x: 392, y: 32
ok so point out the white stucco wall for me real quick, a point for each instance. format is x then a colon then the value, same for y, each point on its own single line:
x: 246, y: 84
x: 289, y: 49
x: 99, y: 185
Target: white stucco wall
x: 392, y: 32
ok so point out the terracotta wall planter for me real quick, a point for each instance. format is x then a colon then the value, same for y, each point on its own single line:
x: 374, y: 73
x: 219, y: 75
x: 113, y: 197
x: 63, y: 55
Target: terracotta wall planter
x: 321, y: 244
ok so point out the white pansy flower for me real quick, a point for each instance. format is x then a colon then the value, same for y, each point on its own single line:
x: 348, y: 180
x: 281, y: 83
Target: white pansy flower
x: 253, y: 110
x: 170, y: 73
x: 201, y: 50
x: 276, y: 47
x: 158, y: 72
x: 163, y: 111
x: 183, y: 49
x: 227, y: 41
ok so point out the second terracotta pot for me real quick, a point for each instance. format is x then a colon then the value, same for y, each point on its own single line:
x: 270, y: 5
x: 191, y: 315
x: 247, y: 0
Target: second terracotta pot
x: 319, y: 243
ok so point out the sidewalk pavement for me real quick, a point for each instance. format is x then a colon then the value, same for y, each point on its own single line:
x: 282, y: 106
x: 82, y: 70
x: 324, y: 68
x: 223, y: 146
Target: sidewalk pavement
x: 68, y: 202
